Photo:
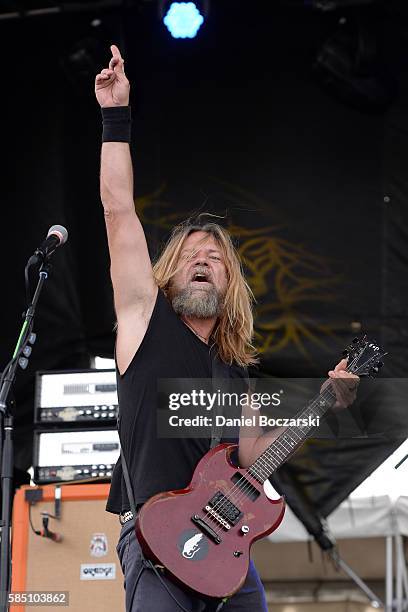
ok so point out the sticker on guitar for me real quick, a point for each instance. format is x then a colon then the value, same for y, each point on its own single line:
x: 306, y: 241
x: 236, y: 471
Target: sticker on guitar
x: 193, y: 545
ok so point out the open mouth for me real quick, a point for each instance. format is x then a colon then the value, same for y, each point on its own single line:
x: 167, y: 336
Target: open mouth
x: 199, y: 278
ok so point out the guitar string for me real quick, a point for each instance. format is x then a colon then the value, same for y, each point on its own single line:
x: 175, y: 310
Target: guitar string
x: 269, y: 449
x: 264, y: 476
x: 243, y: 490
x: 278, y: 449
x: 261, y: 464
x: 258, y: 471
x: 238, y: 494
x: 261, y: 473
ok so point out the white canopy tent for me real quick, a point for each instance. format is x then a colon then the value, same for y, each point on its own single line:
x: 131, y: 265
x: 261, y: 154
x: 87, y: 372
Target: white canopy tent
x: 367, y: 515
x: 355, y: 518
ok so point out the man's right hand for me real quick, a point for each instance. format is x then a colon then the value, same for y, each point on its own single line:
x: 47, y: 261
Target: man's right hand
x: 111, y: 85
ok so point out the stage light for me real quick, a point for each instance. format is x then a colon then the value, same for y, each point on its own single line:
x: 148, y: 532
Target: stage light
x: 183, y: 19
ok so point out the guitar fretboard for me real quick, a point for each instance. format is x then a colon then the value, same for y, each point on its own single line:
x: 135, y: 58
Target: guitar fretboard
x: 292, y: 438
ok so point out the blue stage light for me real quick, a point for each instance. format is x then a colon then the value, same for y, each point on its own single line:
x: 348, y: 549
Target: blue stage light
x: 183, y: 19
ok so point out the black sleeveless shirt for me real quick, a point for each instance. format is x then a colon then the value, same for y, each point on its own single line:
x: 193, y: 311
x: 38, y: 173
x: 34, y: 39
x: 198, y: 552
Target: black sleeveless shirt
x: 169, y: 349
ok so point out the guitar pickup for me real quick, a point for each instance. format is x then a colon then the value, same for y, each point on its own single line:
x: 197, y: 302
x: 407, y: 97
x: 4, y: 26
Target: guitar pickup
x: 206, y: 529
x: 225, y: 508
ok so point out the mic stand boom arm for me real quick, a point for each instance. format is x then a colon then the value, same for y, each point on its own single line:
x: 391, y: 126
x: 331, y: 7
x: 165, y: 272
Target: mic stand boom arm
x: 6, y: 438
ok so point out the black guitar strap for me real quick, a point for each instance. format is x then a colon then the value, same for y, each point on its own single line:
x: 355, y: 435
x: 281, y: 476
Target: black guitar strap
x: 125, y: 470
x: 220, y: 373
x: 127, y: 482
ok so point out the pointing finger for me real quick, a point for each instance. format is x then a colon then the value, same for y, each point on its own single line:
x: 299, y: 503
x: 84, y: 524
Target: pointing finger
x: 117, y: 61
x: 115, y: 51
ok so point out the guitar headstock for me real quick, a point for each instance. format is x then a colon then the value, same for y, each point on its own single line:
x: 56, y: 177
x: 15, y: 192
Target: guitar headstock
x: 364, y: 357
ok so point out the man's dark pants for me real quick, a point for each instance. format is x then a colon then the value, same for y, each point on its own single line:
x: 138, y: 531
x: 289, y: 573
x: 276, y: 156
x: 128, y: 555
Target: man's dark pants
x: 152, y: 596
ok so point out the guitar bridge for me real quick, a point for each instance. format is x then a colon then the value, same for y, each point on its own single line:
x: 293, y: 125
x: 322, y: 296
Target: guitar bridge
x: 206, y: 529
x: 217, y: 517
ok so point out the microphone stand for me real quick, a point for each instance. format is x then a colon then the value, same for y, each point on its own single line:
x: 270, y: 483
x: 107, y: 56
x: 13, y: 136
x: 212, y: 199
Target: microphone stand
x: 20, y: 357
x: 328, y: 545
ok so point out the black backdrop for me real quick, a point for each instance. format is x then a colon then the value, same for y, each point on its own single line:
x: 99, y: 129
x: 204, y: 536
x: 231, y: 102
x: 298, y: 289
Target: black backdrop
x: 237, y: 123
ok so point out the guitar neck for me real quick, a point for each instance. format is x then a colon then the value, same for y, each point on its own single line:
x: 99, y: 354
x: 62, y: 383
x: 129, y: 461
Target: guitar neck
x: 287, y: 443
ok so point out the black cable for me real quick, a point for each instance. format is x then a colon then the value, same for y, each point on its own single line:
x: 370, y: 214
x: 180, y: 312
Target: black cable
x: 5, y: 371
x: 31, y: 522
x: 148, y: 563
x: 27, y: 282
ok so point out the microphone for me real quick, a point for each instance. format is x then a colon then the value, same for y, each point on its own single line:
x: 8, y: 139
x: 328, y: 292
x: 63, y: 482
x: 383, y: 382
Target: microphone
x: 57, y: 236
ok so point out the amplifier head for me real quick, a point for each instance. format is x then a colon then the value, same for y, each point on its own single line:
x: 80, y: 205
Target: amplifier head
x: 74, y: 455
x: 81, y: 396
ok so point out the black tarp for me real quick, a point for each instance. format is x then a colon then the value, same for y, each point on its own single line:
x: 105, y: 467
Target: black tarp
x: 237, y: 123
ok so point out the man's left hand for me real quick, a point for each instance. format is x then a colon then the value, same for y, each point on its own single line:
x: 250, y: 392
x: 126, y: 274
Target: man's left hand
x: 344, y: 384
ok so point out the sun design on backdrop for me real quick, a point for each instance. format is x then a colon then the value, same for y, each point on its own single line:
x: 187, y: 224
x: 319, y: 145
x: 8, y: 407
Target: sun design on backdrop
x: 286, y: 278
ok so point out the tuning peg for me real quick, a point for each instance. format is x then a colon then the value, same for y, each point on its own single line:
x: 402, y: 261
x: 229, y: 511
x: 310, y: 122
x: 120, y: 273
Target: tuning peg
x: 345, y: 353
x: 355, y: 340
x: 380, y: 364
x: 375, y: 369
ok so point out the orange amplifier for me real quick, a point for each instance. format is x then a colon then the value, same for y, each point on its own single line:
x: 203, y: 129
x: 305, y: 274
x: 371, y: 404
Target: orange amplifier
x: 79, y: 559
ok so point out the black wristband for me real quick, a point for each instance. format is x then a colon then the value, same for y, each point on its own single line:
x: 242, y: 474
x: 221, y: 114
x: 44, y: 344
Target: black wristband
x: 117, y: 122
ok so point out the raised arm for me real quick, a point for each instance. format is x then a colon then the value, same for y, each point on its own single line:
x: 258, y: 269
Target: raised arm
x: 134, y: 287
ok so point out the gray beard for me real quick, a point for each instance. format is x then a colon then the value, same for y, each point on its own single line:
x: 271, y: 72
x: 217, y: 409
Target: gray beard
x: 198, y: 304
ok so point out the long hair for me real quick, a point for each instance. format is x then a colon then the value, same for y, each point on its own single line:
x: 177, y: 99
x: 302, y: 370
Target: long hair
x: 233, y: 331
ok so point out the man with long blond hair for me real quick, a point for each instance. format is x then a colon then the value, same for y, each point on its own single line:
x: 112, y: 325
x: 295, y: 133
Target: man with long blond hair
x: 172, y: 318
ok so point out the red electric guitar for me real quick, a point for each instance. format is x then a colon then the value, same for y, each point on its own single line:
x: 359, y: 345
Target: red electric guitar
x: 202, y: 534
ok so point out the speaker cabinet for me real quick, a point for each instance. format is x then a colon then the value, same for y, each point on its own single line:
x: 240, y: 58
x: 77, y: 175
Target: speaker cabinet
x: 84, y: 562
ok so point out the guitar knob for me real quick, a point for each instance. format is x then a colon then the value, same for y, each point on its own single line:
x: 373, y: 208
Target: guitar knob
x: 244, y: 529
x: 238, y: 553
